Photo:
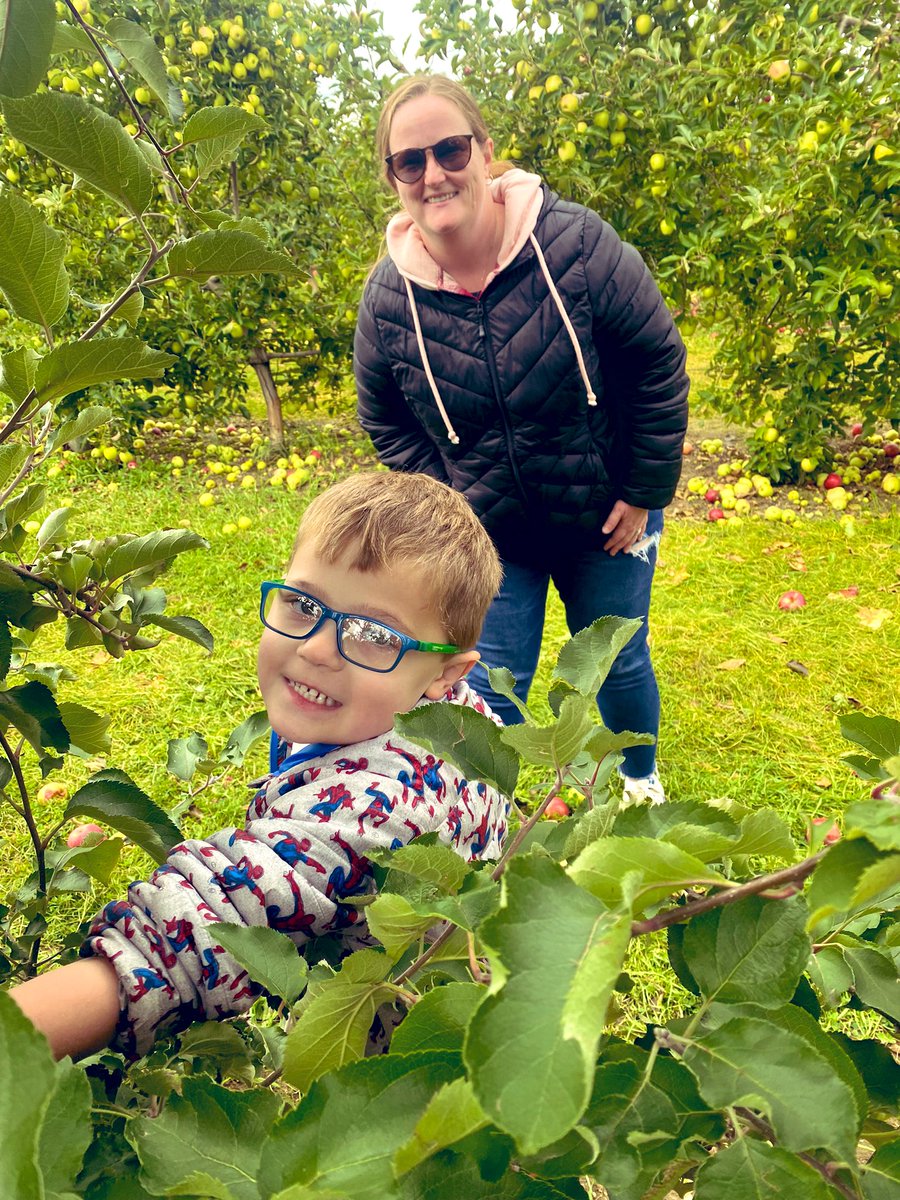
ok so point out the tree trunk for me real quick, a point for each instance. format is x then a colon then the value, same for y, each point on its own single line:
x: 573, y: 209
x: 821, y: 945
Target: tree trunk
x: 259, y: 360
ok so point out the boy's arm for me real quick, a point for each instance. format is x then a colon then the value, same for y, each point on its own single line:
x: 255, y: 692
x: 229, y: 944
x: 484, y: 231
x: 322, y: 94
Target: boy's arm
x: 75, y: 1007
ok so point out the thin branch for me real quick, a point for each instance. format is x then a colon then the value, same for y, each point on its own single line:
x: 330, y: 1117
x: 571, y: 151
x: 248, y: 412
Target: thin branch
x: 764, y: 883
x: 826, y: 1170
x: 156, y: 253
x: 525, y: 829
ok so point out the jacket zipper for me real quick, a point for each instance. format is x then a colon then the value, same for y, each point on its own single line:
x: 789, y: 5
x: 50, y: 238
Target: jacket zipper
x: 498, y: 397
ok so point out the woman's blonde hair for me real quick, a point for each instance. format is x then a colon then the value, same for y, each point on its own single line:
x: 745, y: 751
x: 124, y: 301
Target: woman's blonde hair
x: 418, y: 529
x: 426, y: 85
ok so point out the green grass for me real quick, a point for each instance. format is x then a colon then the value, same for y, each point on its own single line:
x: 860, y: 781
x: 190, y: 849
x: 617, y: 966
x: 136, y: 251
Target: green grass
x: 758, y: 732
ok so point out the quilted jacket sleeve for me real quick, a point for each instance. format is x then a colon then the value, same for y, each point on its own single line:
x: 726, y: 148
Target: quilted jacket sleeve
x: 401, y: 442
x: 644, y: 361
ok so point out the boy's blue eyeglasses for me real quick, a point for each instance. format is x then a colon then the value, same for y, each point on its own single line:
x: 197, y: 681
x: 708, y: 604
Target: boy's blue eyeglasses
x: 360, y: 640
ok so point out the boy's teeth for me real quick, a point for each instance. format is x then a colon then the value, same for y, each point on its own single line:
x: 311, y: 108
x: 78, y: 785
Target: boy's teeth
x: 309, y: 693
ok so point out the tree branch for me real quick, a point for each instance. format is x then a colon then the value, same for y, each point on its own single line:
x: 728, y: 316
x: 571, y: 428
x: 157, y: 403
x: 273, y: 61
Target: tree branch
x: 764, y: 883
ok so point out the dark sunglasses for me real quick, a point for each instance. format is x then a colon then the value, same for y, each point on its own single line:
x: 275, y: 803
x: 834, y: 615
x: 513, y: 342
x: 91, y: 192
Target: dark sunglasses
x: 450, y: 153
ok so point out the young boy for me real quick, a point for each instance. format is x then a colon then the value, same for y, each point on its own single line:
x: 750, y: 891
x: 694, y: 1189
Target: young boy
x: 389, y: 580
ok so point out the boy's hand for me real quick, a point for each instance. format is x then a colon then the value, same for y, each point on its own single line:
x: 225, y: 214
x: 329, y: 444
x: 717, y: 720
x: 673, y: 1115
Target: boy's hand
x: 627, y: 524
x: 75, y: 1007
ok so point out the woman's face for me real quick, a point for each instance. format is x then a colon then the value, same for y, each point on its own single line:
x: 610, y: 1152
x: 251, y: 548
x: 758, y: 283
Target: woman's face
x: 442, y: 203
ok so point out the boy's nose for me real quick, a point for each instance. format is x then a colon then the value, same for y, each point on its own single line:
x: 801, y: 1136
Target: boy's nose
x: 321, y: 648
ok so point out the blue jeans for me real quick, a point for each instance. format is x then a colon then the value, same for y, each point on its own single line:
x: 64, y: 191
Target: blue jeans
x: 591, y: 584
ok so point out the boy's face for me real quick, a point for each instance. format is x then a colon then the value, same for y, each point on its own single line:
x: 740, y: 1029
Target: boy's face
x: 358, y: 704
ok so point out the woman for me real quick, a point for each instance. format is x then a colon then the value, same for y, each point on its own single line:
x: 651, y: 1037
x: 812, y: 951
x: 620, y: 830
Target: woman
x: 512, y: 346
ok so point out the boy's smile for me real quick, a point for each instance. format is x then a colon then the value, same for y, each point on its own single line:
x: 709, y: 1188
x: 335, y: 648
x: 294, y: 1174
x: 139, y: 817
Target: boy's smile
x: 312, y: 694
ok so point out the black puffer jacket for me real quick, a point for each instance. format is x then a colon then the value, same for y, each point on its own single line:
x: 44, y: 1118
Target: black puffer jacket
x: 539, y: 465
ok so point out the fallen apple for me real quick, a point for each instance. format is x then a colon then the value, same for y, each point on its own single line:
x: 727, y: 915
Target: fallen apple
x: 790, y: 601
x: 711, y: 495
x: 52, y: 791
x: 856, y: 430
x: 834, y: 833
x: 81, y: 832
x: 832, y: 481
x: 715, y: 514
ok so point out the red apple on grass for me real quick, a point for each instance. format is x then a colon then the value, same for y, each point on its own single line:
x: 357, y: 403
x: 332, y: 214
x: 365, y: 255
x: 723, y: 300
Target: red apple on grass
x: 712, y: 495
x: 832, y: 481
x: 52, y: 791
x: 856, y: 430
x: 715, y: 514
x: 833, y: 835
x: 790, y: 601
x: 891, y: 450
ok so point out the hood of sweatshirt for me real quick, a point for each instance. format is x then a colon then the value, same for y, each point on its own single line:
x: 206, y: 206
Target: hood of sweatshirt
x: 520, y: 194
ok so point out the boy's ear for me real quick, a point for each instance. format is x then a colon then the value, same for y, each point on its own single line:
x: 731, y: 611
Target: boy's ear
x: 452, y: 671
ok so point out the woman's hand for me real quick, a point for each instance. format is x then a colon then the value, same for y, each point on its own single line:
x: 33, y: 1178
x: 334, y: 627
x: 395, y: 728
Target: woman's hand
x: 626, y: 524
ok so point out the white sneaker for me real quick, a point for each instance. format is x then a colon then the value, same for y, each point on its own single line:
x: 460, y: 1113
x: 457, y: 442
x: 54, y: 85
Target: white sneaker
x: 648, y: 790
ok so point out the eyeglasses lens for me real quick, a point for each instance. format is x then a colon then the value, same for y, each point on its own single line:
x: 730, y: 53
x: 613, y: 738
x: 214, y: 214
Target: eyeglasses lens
x: 367, y: 643
x: 451, y: 153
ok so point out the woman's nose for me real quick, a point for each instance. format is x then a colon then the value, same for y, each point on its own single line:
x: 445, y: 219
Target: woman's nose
x: 434, y: 172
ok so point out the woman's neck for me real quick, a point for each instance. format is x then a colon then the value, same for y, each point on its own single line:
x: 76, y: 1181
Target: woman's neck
x: 471, y: 258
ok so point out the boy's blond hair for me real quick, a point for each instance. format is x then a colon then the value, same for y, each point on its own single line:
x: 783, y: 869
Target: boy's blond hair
x: 410, y: 524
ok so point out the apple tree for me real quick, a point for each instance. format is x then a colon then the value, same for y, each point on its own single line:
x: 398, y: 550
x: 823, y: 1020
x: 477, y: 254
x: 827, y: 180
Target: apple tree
x: 303, y: 77
x: 61, y: 346
x: 751, y: 152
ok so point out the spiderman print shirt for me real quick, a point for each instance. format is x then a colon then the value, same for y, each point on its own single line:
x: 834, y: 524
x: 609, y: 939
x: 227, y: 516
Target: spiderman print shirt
x: 301, y: 852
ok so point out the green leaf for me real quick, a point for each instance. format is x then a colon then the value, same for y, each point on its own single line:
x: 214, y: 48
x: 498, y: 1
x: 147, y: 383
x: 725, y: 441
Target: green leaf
x: 434, y: 864
x: 92, y: 417
x: 828, y: 970
x: 141, y: 51
x: 184, y: 754
x: 24, y: 504
x: 874, y: 979
x: 555, y: 955
x: 752, y: 1062
x: 876, y: 820
x: 65, y: 1132
x: 217, y: 133
x: 242, y: 738
x: 16, y: 593
x: 603, y: 741
x: 32, y: 709
x: 78, y: 365
x: 342, y: 1137
x: 26, y: 38
x: 753, y: 952
x: 98, y: 860
x: 453, y: 1114
x: 876, y: 1065
x: 188, y: 628
x: 878, y: 736
x: 53, y: 527
x: 111, y: 797
x: 585, y: 660
x: 472, y: 741
x: 70, y: 37
x: 751, y: 1170
x: 85, y: 140
x: 645, y: 1116
x: 216, y: 1042
x: 335, y: 1019
x: 87, y: 729
x: 33, y: 275
x: 558, y: 744
x: 208, y: 1129
x: 881, y: 1174
x: 271, y: 959
x: 130, y: 310
x: 151, y: 550
x: 17, y: 371
x: 439, y: 1020
x: 230, y: 252
x: 25, y: 1058
x: 655, y: 869
x: 12, y: 459
x: 836, y: 879
x: 503, y: 682
x: 396, y: 923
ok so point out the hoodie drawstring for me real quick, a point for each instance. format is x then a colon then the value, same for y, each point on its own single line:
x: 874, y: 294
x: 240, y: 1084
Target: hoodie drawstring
x: 591, y: 397
x: 451, y: 432
x: 573, y: 337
